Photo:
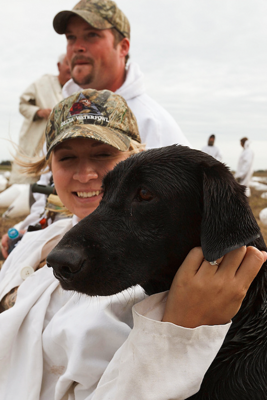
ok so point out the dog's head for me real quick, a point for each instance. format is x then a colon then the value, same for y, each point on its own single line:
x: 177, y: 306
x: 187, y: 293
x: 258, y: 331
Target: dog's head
x: 157, y: 206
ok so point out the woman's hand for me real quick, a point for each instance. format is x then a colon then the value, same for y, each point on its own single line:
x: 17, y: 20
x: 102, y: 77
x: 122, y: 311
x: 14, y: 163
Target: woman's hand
x: 205, y: 294
x: 5, y: 243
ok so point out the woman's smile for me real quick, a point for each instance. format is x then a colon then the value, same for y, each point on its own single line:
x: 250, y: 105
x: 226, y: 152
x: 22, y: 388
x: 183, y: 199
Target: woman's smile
x: 88, y: 194
x: 79, y: 166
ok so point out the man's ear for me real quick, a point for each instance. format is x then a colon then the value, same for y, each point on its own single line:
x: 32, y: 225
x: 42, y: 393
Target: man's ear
x: 227, y: 221
x: 124, y: 47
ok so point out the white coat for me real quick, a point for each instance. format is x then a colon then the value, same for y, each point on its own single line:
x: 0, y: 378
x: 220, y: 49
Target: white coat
x: 59, y: 345
x: 45, y: 92
x: 244, y: 169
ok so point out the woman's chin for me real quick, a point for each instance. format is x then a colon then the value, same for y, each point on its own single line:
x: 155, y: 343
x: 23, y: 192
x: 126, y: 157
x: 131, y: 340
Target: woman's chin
x: 82, y: 212
x: 82, y: 207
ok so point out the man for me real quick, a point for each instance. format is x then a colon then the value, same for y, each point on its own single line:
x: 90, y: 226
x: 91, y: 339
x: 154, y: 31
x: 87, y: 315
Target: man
x: 211, y: 149
x: 244, y: 170
x: 35, y: 105
x: 98, y: 43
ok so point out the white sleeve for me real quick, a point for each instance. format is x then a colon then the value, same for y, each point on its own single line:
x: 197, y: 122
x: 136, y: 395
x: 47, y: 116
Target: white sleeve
x: 159, y: 361
x: 244, y: 164
x: 156, y: 126
x: 38, y: 207
x: 159, y: 133
x: 27, y: 106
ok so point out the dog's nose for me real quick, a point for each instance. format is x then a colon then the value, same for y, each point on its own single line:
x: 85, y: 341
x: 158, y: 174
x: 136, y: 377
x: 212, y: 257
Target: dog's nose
x: 65, y: 263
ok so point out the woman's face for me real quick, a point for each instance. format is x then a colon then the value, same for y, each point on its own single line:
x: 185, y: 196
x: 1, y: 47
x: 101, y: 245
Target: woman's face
x: 78, y: 167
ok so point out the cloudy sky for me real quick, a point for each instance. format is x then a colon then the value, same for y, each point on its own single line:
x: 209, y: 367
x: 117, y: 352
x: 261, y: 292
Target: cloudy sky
x: 205, y: 61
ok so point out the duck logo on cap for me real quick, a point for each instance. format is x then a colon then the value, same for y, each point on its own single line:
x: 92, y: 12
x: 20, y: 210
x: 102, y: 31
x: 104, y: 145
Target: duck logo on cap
x: 87, y: 112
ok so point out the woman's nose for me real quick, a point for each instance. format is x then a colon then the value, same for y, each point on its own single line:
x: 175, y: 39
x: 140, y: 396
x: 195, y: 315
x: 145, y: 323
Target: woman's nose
x: 85, y: 172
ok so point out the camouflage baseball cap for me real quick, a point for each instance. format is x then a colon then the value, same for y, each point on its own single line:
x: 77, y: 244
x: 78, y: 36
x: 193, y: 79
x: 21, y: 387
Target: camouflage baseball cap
x: 101, y: 14
x: 100, y: 115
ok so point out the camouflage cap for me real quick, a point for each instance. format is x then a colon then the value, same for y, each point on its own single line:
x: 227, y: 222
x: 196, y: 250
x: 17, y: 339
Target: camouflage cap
x: 101, y: 14
x: 99, y: 115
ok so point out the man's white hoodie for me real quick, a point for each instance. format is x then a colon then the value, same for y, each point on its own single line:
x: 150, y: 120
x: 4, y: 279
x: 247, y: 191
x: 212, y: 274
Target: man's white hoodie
x: 157, y: 127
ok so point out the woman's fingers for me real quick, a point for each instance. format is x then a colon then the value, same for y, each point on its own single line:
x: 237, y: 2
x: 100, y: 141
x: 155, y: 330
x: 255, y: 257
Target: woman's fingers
x: 205, y: 294
x: 229, y: 264
x: 192, y: 261
x: 4, y: 245
x: 250, y: 266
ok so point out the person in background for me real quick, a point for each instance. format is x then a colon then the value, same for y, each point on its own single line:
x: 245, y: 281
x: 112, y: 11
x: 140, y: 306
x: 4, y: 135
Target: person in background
x: 244, y: 169
x: 211, y: 149
x: 35, y: 105
x: 58, y: 344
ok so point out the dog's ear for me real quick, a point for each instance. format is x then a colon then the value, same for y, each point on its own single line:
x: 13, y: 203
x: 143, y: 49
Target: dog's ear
x: 227, y: 220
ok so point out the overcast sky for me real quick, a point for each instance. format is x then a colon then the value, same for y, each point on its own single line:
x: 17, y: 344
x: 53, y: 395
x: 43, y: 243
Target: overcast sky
x: 205, y: 61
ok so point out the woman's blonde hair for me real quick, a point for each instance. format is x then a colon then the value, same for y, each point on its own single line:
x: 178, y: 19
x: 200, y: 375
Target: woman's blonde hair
x: 38, y: 165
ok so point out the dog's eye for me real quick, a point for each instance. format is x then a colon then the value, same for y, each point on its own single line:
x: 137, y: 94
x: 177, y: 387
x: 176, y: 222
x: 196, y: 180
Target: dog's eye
x: 145, y: 195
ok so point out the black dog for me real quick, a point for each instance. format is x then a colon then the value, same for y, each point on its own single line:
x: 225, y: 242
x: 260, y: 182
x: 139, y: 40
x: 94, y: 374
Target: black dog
x: 156, y: 207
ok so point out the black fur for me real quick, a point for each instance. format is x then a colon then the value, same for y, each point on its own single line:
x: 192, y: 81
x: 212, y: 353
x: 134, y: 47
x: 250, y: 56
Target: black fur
x: 156, y: 207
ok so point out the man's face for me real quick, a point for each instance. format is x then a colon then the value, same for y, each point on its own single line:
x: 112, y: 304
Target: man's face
x: 211, y: 142
x: 94, y: 61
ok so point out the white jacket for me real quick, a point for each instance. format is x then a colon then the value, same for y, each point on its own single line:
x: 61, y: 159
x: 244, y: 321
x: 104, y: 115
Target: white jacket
x: 59, y: 345
x: 157, y: 127
x: 244, y: 169
x: 212, y: 151
x: 45, y: 92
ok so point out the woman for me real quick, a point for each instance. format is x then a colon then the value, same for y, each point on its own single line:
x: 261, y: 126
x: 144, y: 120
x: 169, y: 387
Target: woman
x: 56, y: 344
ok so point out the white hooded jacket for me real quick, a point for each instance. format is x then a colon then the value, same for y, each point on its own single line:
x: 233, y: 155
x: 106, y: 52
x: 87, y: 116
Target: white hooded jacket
x: 244, y: 169
x: 157, y: 127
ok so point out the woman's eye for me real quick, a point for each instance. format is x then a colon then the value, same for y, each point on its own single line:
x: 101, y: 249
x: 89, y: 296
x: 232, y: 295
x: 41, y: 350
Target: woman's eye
x: 104, y: 155
x: 65, y: 158
x: 144, y: 195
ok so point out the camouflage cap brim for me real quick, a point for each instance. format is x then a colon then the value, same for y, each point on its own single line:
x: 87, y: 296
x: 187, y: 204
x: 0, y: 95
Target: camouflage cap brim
x: 102, y: 134
x: 61, y: 19
x: 100, y: 115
